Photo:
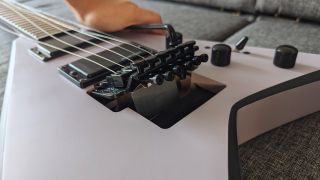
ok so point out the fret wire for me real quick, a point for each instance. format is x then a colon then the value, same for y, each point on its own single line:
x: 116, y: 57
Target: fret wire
x: 77, y: 37
x: 47, y: 20
x: 74, y: 26
x: 83, y: 50
x: 11, y: 18
x: 45, y: 27
x: 55, y: 47
x: 32, y: 35
x: 22, y: 28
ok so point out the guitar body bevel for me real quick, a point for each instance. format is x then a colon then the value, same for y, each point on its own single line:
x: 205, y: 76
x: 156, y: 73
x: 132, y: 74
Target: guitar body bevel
x: 54, y: 130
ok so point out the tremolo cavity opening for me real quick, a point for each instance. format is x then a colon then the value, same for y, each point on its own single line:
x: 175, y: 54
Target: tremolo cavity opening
x: 158, y: 85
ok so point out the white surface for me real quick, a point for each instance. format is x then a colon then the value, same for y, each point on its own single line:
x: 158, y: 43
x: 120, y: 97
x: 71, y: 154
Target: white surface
x: 276, y: 110
x: 5, y: 105
x: 54, y: 130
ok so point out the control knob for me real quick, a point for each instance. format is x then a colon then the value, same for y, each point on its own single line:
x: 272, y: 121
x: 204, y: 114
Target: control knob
x: 285, y: 56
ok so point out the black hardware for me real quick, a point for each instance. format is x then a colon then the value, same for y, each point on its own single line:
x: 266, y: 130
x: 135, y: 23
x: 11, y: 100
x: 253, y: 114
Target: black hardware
x: 173, y: 38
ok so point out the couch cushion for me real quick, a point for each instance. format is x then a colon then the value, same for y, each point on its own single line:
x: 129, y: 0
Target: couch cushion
x: 288, y: 152
x: 307, y: 9
x: 237, y: 5
x: 197, y: 22
x: 5, y: 46
x: 272, y: 32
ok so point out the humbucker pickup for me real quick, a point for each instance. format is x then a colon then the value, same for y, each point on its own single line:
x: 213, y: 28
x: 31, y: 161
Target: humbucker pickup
x: 85, y: 73
x: 46, y: 53
x: 145, y: 69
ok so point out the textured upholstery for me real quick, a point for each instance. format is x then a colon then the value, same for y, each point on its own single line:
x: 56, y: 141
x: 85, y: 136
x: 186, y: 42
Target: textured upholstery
x: 236, y: 5
x: 288, y: 152
x: 272, y: 32
x: 195, y: 22
x: 5, y: 46
x: 308, y: 9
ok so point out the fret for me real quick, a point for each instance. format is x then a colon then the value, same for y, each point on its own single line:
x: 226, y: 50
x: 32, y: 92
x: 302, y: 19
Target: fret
x: 21, y: 24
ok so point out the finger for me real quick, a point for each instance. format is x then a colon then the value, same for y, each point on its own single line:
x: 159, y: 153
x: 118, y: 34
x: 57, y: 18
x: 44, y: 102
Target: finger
x: 145, y: 16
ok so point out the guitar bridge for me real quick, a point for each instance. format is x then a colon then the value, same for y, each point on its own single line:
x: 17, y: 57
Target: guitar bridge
x: 158, y: 85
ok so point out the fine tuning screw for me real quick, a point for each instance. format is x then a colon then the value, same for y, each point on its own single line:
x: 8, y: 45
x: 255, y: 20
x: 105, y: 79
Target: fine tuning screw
x: 285, y: 56
x: 177, y: 69
x: 157, y: 79
x: 189, y: 65
x: 221, y: 55
x: 168, y: 76
x: 196, y: 61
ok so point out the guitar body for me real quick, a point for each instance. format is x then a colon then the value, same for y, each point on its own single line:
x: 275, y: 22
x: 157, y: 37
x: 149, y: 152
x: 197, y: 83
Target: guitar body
x: 55, y: 130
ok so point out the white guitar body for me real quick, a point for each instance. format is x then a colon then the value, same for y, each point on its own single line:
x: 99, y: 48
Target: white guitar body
x: 53, y: 130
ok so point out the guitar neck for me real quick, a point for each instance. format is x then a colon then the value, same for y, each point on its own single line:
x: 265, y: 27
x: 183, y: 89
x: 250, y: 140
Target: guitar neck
x: 15, y: 16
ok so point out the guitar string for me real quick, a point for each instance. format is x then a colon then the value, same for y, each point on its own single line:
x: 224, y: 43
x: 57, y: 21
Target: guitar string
x: 84, y: 40
x: 54, y: 47
x: 27, y: 10
x: 50, y: 23
x: 101, y: 34
x: 54, y: 23
x: 61, y: 41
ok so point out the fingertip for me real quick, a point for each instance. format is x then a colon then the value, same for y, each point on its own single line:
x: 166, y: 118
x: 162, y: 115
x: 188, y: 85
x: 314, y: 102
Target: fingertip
x: 157, y: 18
x: 145, y: 16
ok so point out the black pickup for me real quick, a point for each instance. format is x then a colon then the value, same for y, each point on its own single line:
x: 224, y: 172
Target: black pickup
x: 46, y: 53
x: 85, y: 73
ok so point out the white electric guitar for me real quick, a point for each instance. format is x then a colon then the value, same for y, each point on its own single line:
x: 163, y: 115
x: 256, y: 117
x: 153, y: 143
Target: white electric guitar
x: 81, y: 104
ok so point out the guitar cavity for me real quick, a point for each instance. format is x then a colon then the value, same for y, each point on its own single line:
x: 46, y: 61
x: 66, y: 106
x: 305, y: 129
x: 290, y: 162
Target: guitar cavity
x: 160, y: 86
x: 165, y: 104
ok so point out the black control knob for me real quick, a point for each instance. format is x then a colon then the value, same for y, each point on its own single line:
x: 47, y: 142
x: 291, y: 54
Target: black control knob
x: 285, y: 56
x: 197, y: 60
x: 221, y: 55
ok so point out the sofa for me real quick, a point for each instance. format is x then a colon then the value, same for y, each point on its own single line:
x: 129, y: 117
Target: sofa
x: 291, y: 151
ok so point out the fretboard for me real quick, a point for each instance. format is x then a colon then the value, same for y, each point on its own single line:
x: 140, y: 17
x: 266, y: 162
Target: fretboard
x: 16, y: 16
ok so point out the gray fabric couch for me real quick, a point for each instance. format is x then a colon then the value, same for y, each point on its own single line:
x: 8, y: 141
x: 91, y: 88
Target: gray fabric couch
x: 289, y: 152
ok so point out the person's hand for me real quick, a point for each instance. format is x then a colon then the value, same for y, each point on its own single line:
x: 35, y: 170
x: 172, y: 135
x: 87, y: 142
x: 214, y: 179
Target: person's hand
x: 111, y: 15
